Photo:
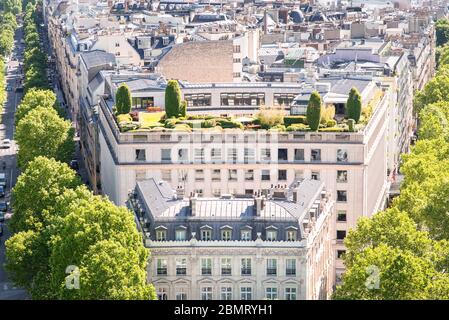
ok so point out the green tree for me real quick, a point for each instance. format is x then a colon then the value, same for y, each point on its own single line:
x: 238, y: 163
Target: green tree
x: 6, y: 42
x: 442, y: 32
x: 435, y: 90
x: 386, y: 273
x: 123, y: 99
x: 314, y: 111
x: 172, y: 99
x: 36, y: 98
x: 43, y: 133
x: 183, y: 109
x: 354, y: 105
x: 109, y: 270
x: 94, y: 230
x: 37, y: 189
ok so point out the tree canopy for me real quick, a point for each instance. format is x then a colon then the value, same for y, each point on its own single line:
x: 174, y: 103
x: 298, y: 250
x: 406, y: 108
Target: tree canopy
x: 172, y: 99
x: 354, y: 105
x: 43, y: 133
x: 123, y: 99
x: 314, y: 111
x: 36, y: 98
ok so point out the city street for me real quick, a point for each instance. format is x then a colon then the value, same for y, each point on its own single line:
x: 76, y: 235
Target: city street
x: 7, y: 127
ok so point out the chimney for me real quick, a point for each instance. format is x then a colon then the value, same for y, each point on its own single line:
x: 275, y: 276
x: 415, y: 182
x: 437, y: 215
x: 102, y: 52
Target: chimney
x: 180, y: 192
x: 192, y: 204
x: 265, y: 21
x: 259, y: 204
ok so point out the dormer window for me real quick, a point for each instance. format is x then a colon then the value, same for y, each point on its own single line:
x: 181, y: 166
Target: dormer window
x: 226, y: 233
x: 181, y: 234
x: 245, y: 235
x: 161, y: 235
x: 206, y: 233
x: 291, y: 235
x: 272, y: 235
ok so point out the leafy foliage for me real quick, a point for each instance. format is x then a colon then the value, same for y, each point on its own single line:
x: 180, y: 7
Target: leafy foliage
x: 123, y: 99
x: 172, y: 99
x: 354, y: 105
x: 314, y: 111
x: 43, y: 133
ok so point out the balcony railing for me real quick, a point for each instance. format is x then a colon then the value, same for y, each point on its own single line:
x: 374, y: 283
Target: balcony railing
x: 246, y: 271
x: 226, y: 271
x: 290, y: 272
x: 181, y: 271
x: 206, y: 271
x: 271, y: 271
x: 161, y: 271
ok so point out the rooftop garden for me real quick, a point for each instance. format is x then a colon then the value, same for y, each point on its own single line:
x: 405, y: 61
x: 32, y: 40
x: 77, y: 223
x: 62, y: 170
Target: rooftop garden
x: 175, y: 118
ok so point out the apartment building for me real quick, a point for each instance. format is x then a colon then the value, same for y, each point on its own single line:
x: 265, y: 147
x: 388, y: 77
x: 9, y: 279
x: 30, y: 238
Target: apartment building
x: 229, y: 248
x: 353, y: 165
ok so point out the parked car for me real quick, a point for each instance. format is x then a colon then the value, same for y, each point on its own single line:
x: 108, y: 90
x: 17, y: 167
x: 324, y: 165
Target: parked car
x: 2, y: 179
x: 74, y: 164
x: 5, y: 144
x: 8, y: 88
x: 1, y: 229
x: 2, y: 191
x: 3, y: 208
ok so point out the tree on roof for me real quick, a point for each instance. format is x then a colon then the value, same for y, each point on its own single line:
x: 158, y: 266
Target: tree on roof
x: 123, y: 99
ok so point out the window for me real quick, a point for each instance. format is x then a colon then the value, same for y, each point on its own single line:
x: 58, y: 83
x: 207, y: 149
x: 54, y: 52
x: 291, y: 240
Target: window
x: 242, y: 99
x: 199, y: 155
x: 249, y: 175
x: 236, y: 49
x: 341, y: 234
x: 342, y: 155
x: 340, y: 254
x: 161, y: 267
x: 181, y: 294
x: 215, y: 155
x: 226, y: 266
x: 265, y: 154
x: 315, y: 155
x: 290, y: 267
x: 271, y: 267
x: 166, y: 155
x: 197, y: 100
x: 117, y: 44
x: 271, y: 293
x: 206, y: 266
x: 315, y: 175
x: 140, y: 155
x: 265, y: 175
x: 271, y: 235
x: 236, y: 60
x: 206, y: 235
x: 342, y: 176
x: 246, y: 293
x: 290, y: 293
x: 299, y: 174
x: 161, y: 235
x: 226, y: 235
x: 216, y: 175
x: 180, y: 235
x: 232, y: 155
x: 141, y: 175
x: 232, y: 175
x: 282, y: 155
x: 291, y: 235
x: 199, y: 175
x: 245, y: 235
x: 283, y: 99
x: 236, y: 74
x: 226, y: 293
x: 341, y: 215
x: 342, y: 196
x: 249, y: 155
x: 246, y: 267
x: 166, y: 175
x: 299, y: 154
x: 282, y: 175
x: 183, y: 155
x: 181, y: 266
x: 162, y: 294
x: 206, y: 293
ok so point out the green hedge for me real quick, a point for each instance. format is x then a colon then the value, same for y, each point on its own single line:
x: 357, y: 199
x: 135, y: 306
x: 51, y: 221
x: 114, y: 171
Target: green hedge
x: 289, y: 120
